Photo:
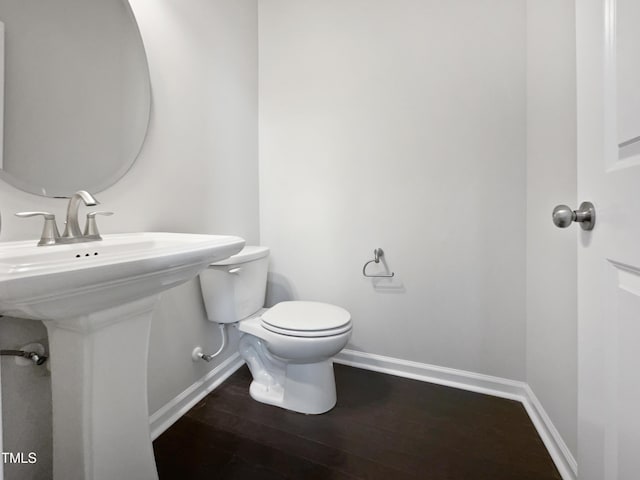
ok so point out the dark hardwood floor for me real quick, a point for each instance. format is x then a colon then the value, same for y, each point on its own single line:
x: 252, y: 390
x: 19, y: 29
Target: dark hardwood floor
x: 383, y: 427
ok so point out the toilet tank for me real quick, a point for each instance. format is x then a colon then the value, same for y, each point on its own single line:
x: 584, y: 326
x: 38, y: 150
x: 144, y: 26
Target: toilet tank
x: 235, y: 288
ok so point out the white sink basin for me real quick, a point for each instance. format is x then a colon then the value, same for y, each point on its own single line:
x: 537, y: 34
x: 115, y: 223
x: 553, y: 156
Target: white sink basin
x: 96, y: 300
x: 62, y: 281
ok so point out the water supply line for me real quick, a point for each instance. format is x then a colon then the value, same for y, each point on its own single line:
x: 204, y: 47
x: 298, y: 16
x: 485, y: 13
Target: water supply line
x: 35, y: 357
x: 198, y: 354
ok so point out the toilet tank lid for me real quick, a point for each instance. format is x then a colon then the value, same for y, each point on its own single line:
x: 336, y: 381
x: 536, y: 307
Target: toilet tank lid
x: 245, y: 255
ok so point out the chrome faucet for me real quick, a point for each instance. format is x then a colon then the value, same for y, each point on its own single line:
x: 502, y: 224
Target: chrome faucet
x: 72, y: 232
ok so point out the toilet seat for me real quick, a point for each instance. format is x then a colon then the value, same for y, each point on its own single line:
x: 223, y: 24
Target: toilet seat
x: 306, y: 319
x: 308, y: 333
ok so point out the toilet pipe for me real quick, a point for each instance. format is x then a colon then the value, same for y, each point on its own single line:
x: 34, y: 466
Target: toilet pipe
x: 35, y: 357
x: 207, y: 357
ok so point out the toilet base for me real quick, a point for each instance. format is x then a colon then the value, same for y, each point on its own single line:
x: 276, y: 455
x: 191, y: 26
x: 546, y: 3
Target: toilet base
x: 301, y: 387
x: 308, y: 388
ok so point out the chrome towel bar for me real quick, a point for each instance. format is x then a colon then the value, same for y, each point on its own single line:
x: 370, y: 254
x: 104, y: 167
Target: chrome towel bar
x: 377, y: 255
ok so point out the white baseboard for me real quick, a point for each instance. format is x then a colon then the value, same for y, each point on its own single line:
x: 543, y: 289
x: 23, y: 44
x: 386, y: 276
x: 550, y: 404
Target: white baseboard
x: 170, y: 413
x: 560, y: 453
x: 450, y: 377
x: 475, y: 382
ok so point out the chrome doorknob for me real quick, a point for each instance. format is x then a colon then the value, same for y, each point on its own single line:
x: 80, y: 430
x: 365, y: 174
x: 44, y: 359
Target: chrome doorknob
x: 563, y: 216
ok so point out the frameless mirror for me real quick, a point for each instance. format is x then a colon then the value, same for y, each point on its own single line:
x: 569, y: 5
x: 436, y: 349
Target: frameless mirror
x: 76, y: 94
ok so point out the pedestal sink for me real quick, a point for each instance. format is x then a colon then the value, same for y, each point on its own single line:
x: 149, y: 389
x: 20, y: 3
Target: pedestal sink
x: 96, y: 301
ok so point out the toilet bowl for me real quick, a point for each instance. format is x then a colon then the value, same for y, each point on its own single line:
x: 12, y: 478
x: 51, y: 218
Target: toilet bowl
x: 288, y: 347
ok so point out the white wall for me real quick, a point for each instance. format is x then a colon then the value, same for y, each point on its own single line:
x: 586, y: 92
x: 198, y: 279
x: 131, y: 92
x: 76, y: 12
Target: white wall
x: 551, y: 180
x: 401, y: 125
x: 197, y: 173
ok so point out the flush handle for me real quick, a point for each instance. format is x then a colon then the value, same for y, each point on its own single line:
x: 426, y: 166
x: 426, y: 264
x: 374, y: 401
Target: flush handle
x: 563, y: 216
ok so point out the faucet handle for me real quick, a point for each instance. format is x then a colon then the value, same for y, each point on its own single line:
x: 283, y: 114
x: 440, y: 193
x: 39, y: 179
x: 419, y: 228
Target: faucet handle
x: 91, y: 227
x: 50, y: 234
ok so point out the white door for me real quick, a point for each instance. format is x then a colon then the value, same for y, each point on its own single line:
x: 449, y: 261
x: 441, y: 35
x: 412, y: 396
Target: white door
x: 608, y: 69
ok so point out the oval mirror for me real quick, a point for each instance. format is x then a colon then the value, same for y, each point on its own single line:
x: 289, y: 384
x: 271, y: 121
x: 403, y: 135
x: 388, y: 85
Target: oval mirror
x: 77, y: 94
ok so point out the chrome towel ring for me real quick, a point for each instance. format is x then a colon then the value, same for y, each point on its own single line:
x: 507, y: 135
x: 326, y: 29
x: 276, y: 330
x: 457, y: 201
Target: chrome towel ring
x: 378, y: 254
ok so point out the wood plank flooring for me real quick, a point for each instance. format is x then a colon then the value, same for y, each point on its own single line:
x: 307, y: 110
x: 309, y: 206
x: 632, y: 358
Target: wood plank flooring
x: 383, y: 427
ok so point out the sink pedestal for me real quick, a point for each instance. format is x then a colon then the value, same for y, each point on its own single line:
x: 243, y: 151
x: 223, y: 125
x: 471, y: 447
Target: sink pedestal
x: 99, y: 386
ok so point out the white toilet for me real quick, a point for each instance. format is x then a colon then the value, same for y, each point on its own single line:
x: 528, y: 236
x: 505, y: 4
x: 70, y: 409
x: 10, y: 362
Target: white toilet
x: 287, y: 347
